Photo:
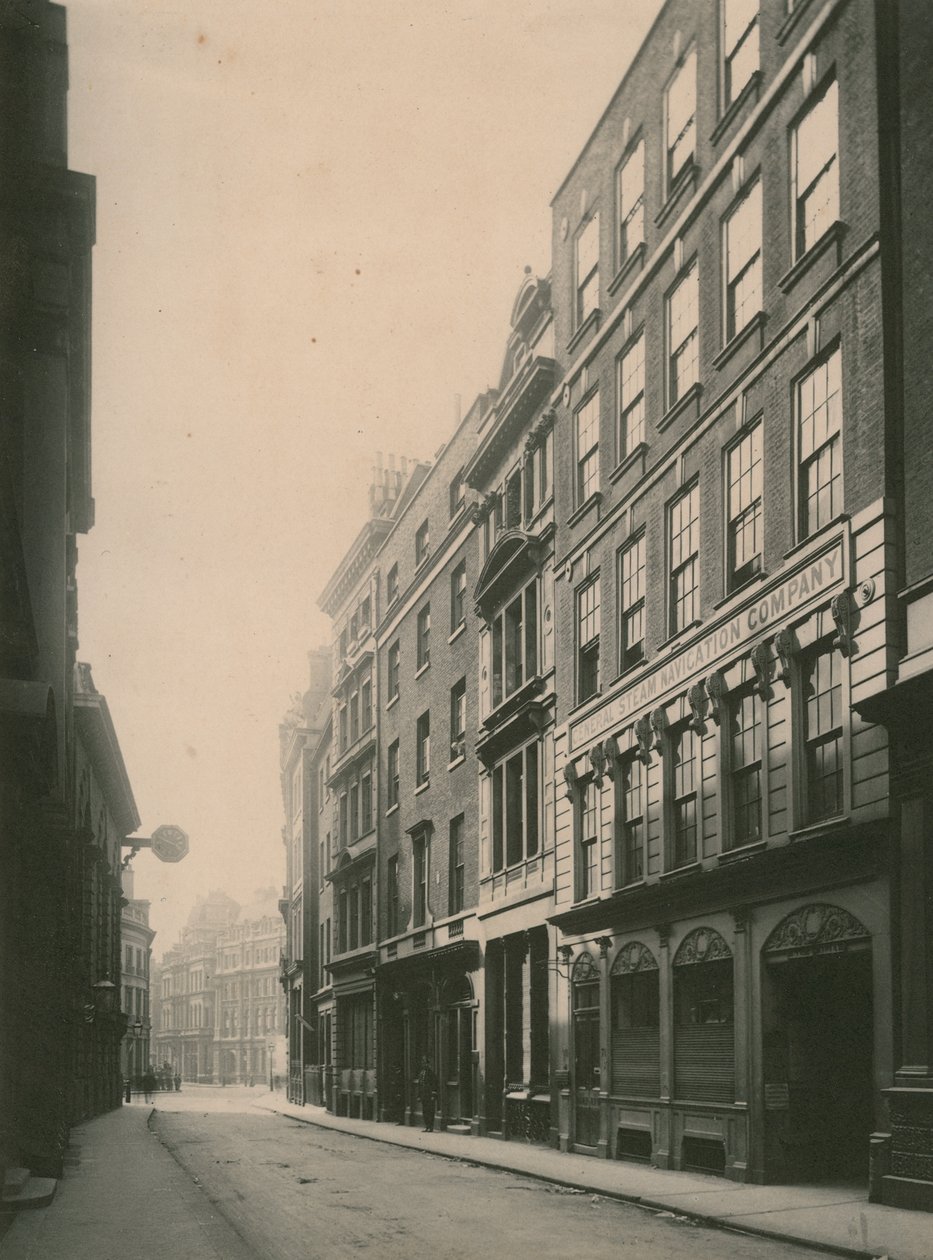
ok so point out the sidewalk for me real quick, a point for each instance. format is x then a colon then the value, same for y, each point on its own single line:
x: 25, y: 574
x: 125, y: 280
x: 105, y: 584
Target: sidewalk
x: 839, y: 1220
x: 122, y: 1196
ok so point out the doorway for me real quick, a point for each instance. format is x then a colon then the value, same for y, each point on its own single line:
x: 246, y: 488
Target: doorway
x: 586, y: 1058
x: 458, y: 1052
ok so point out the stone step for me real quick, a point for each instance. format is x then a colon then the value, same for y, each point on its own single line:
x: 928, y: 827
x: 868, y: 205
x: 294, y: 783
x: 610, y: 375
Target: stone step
x: 458, y: 1128
x: 28, y: 1192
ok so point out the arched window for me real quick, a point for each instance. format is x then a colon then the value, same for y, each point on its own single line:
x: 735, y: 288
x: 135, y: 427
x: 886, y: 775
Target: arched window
x: 704, y: 1035
x: 635, y: 1031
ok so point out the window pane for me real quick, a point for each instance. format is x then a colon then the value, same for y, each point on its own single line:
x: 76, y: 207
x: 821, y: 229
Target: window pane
x: 681, y: 125
x: 683, y: 340
x: 817, y: 170
x: 820, y: 423
x: 531, y: 800
x: 632, y: 202
x: 632, y: 397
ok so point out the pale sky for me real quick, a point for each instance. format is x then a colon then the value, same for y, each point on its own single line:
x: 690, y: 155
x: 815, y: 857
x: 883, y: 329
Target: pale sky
x: 312, y: 220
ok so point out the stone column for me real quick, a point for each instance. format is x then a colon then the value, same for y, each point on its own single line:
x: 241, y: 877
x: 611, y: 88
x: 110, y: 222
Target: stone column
x: 602, y: 1146
x: 662, y: 1152
x: 742, y: 998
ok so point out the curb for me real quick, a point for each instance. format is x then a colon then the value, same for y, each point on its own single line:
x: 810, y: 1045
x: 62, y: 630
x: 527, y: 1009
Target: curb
x: 635, y: 1200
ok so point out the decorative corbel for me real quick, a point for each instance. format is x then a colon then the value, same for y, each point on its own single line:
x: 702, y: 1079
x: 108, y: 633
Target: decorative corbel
x: 699, y: 702
x: 718, y: 692
x: 841, y: 609
x: 785, y: 644
x: 598, y: 762
x: 570, y: 780
x: 605, y: 944
x: 546, y: 423
x: 611, y: 751
x: 659, y: 725
x: 763, y: 665
x: 643, y: 735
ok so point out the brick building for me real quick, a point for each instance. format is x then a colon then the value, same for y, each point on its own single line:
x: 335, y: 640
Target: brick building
x: 136, y: 937
x: 694, y: 923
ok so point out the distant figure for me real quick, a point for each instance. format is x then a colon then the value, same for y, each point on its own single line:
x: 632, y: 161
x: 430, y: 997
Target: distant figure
x: 177, y: 1083
x: 427, y: 1092
x: 149, y: 1084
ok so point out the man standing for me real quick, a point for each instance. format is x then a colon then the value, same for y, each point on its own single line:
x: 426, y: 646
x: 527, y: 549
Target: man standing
x: 427, y: 1092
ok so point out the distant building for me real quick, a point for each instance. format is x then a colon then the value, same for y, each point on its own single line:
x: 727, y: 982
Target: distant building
x: 136, y: 938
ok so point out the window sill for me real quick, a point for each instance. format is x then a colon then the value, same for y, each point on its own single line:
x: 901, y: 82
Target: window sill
x: 627, y: 674
x: 832, y: 237
x: 641, y: 882
x: 638, y: 453
x: 687, y: 178
x: 732, y: 111
x: 455, y: 634
x: 421, y: 669
x: 755, y: 325
x: 590, y: 324
x: 419, y: 564
x: 457, y: 761
x: 593, y: 501
x: 742, y: 589
x: 634, y: 262
x: 688, y: 868
x: 826, y: 826
x: 672, y: 639
x: 813, y: 540
x: 791, y: 21
x: 391, y: 703
x: 680, y: 406
x: 742, y: 850
x: 422, y: 787
x: 393, y: 809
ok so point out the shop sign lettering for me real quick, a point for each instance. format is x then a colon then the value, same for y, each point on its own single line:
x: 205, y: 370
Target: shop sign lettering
x: 755, y: 620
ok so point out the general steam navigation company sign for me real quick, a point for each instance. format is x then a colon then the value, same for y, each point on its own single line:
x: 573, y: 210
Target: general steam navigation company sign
x: 812, y: 580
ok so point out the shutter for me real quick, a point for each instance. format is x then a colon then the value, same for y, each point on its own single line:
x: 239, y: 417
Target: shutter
x: 636, y: 1054
x: 704, y: 1062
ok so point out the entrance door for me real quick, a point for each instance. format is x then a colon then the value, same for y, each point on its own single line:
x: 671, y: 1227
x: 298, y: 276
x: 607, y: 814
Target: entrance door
x: 459, y: 1082
x: 820, y: 1045
x: 586, y: 1055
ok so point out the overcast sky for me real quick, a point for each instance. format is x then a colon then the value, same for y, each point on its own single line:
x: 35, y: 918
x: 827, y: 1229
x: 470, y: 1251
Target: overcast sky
x: 312, y: 220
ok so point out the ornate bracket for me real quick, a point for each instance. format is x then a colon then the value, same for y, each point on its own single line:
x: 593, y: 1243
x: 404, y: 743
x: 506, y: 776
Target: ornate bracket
x: 763, y: 665
x: 611, y: 752
x: 718, y: 694
x: 643, y: 735
x: 659, y: 725
x: 598, y: 762
x: 605, y: 944
x: 841, y: 609
x: 570, y: 780
x: 699, y: 702
x: 785, y: 644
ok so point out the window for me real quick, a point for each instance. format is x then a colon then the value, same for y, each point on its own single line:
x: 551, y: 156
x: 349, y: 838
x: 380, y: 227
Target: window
x: 455, y: 878
x: 419, y: 903
x: 457, y: 719
x: 515, y: 644
x: 366, y: 910
x: 458, y: 587
x: 515, y: 808
x: 342, y: 722
x: 587, y: 843
x: 354, y: 811
x: 354, y: 899
x: 457, y: 493
x: 819, y: 410
x: 631, y: 196
x: 588, y: 624
x: 632, y: 603
x: 588, y: 448
x: 423, y: 749
x: 343, y: 920
x: 357, y: 1020
x: 630, y: 812
x: 392, y: 585
x: 816, y: 170
x: 684, y: 525
x: 392, y: 896
x: 631, y: 393
x: 392, y: 774
x: 740, y: 45
x: 424, y: 637
x: 587, y: 269
x: 513, y: 500
x: 342, y: 818
x: 685, y: 771
x: 422, y: 543
x: 392, y: 669
x: 744, y: 524
x: 745, y: 731
x: 823, y: 734
x: 354, y: 717
x: 683, y: 334
x: 366, y: 803
x: 366, y: 704
x: 681, y: 117
x: 742, y: 258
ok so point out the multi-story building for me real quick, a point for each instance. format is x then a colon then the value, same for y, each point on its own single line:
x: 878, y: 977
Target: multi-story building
x: 136, y: 937
x: 65, y: 799
x: 727, y: 545
x: 249, y: 1010
x: 690, y: 924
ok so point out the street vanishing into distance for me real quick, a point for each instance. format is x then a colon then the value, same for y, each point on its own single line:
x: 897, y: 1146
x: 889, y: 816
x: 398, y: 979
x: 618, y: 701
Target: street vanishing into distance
x: 293, y: 1191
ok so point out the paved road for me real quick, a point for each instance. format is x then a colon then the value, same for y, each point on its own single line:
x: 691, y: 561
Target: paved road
x: 296, y: 1192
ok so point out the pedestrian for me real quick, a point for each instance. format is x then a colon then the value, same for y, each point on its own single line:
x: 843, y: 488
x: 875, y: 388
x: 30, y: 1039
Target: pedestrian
x: 177, y: 1083
x: 149, y: 1084
x: 427, y: 1092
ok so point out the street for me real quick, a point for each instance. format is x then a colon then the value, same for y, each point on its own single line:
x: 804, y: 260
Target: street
x: 293, y: 1191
